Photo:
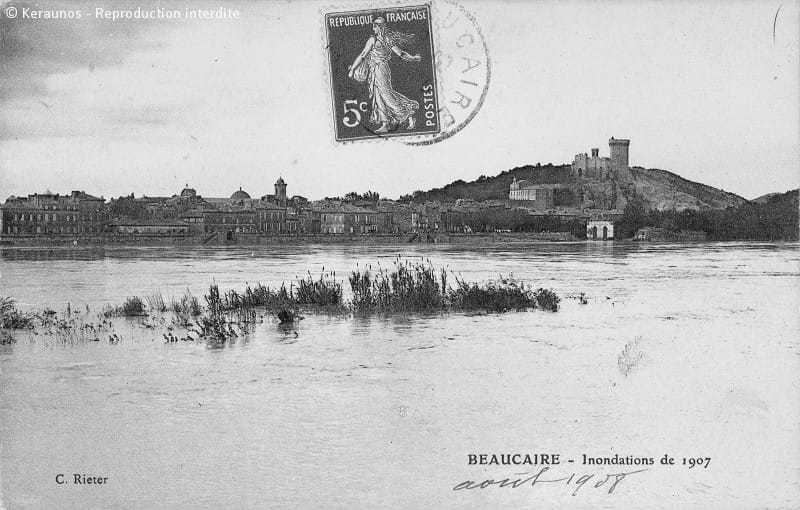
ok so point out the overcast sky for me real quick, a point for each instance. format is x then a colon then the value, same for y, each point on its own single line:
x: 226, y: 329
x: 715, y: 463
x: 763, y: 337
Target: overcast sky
x: 703, y: 89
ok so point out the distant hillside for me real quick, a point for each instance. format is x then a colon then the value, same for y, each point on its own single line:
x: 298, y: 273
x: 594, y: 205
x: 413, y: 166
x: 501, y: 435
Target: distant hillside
x: 774, y: 220
x: 665, y: 190
x: 763, y: 199
x: 660, y: 189
x: 493, y: 188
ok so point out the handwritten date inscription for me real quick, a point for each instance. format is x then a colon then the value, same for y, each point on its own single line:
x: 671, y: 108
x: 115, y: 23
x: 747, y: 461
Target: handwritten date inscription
x: 611, y: 481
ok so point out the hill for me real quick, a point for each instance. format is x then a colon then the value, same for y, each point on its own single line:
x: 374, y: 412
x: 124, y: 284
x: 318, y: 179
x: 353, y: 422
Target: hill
x: 493, y: 188
x: 763, y: 199
x: 664, y: 190
x: 773, y: 220
x: 776, y: 219
x: 660, y: 189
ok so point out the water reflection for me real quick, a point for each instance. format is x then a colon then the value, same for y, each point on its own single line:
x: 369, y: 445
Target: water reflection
x: 36, y: 254
x: 288, y: 333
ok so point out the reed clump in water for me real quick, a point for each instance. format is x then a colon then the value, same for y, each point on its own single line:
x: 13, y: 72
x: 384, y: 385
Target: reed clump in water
x: 216, y: 329
x: 546, y: 299
x: 408, y: 287
x: 155, y: 302
x: 325, y: 291
x: 69, y: 328
x: 132, y: 307
x: 187, y: 304
x: 11, y: 317
x: 76, y: 330
x: 252, y: 297
x: 230, y: 311
x: 6, y: 339
x: 185, y: 309
x: 225, y: 310
x: 405, y: 287
x: 420, y: 287
x: 503, y: 295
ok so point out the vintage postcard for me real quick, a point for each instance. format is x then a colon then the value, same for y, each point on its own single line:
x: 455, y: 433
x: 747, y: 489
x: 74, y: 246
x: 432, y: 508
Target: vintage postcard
x: 388, y: 254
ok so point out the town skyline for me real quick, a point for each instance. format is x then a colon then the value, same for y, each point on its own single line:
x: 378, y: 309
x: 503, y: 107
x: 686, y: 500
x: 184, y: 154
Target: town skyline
x: 218, y: 192
x: 705, y: 91
x: 586, y: 199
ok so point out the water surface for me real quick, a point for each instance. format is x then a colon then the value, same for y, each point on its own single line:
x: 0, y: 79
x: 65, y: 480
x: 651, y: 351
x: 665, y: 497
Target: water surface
x: 343, y: 412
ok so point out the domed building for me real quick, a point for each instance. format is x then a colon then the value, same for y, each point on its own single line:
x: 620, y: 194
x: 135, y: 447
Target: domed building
x: 188, y: 192
x: 240, y: 195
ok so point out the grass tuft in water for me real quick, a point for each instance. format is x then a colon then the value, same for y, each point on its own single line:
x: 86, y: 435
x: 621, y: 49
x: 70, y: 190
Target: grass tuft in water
x: 11, y: 317
x: 325, y: 291
x: 185, y: 308
x: 408, y: 287
x: 546, y: 299
x: 132, y: 307
x: 6, y: 339
x: 155, y: 302
x: 420, y: 287
x: 404, y: 287
x: 501, y: 296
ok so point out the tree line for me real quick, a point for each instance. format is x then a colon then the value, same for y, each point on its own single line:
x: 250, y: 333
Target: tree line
x: 775, y: 220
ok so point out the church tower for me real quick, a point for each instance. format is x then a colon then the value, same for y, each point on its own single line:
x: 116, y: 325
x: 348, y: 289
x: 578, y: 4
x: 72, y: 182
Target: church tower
x: 280, y: 190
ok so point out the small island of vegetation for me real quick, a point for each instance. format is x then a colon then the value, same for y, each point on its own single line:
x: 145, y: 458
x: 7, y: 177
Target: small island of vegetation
x: 407, y: 287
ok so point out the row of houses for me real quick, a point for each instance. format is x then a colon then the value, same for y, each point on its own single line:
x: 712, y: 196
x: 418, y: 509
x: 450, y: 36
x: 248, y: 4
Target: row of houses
x: 79, y: 214
x: 266, y: 219
x: 440, y: 218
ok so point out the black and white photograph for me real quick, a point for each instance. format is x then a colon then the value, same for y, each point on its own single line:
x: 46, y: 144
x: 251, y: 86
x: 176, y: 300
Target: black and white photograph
x: 386, y: 254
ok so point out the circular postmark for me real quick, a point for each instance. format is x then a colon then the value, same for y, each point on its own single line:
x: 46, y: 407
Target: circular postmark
x: 464, y: 69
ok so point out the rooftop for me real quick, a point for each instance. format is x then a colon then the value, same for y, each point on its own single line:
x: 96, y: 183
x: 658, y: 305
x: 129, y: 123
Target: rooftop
x: 240, y: 195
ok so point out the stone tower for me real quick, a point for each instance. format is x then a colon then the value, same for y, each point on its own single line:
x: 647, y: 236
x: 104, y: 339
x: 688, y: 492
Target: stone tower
x: 619, y: 158
x: 280, y: 190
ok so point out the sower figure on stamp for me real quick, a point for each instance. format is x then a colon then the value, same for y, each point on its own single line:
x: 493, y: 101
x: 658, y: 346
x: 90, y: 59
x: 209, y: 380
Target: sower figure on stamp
x: 389, y: 107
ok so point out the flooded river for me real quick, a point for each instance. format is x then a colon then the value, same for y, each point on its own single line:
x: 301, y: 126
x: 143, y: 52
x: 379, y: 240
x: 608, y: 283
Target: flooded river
x: 383, y: 412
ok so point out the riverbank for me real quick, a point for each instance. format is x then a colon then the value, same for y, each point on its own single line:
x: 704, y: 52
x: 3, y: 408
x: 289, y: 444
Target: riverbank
x: 239, y: 239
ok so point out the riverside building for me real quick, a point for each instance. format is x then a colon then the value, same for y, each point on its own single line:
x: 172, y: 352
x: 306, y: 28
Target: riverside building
x: 53, y: 215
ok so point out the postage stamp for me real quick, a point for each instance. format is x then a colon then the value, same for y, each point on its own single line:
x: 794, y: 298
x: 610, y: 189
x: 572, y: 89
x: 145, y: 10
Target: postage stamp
x: 382, y: 72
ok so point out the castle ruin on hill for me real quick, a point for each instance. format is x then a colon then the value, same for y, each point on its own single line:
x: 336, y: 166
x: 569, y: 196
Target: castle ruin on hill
x: 595, y: 182
x: 596, y: 167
